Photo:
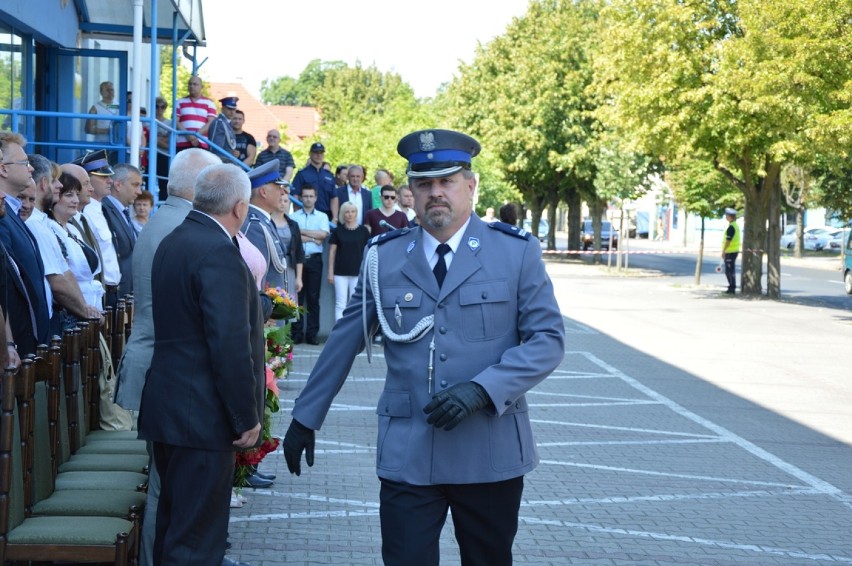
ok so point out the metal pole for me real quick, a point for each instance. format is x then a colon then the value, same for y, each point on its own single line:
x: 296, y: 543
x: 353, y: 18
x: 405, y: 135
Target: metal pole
x: 153, y: 184
x: 136, y: 83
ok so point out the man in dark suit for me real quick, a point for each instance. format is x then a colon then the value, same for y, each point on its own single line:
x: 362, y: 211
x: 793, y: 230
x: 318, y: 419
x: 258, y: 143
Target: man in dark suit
x: 15, y: 177
x: 356, y: 193
x: 202, y: 397
x: 126, y: 186
x: 19, y: 314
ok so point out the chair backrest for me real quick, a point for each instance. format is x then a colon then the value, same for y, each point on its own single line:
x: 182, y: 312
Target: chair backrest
x: 24, y: 395
x: 117, y: 340
x: 11, y: 476
x: 77, y: 425
x: 128, y: 305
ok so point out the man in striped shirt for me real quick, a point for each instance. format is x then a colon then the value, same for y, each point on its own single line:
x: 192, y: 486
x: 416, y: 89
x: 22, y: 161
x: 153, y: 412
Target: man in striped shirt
x: 195, y: 113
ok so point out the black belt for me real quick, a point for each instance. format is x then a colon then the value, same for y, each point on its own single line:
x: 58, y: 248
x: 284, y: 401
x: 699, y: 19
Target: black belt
x: 309, y: 256
x: 111, y: 288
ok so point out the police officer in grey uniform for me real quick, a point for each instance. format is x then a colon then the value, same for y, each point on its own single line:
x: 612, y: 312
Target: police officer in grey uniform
x: 266, y: 187
x: 470, y: 324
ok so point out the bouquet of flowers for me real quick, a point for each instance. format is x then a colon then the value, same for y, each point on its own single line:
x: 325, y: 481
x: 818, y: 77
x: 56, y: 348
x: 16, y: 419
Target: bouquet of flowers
x: 279, y: 349
x: 283, y: 305
x: 247, y: 460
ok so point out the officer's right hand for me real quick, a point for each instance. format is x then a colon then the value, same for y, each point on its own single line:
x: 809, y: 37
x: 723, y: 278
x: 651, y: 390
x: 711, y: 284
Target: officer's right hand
x: 298, y: 439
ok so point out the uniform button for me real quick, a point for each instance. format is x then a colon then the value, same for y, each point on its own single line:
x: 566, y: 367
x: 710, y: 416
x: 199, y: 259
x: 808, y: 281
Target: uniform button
x: 518, y: 405
x: 443, y: 383
x: 508, y: 403
x: 441, y: 305
x: 443, y: 357
x: 387, y: 408
x: 443, y: 330
x: 484, y: 294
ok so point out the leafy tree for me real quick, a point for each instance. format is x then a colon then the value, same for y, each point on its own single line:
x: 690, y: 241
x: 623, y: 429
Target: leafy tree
x: 183, y: 76
x: 832, y: 183
x: 751, y: 84
x: 797, y: 186
x: 302, y: 91
x: 702, y: 190
x: 525, y: 97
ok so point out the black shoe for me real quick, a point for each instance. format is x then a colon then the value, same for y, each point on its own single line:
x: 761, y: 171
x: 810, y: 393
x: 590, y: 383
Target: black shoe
x: 298, y: 340
x: 312, y: 341
x: 256, y: 482
x: 263, y: 476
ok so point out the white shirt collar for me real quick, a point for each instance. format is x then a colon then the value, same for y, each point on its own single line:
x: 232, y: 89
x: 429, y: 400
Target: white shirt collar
x: 261, y: 211
x: 430, y: 245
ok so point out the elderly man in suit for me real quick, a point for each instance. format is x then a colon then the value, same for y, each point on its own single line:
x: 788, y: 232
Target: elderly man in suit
x: 355, y: 192
x: 470, y: 324
x: 202, y: 397
x: 126, y: 186
x: 136, y: 358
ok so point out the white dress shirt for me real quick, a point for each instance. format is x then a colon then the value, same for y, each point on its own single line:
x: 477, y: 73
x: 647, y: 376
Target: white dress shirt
x: 94, y: 213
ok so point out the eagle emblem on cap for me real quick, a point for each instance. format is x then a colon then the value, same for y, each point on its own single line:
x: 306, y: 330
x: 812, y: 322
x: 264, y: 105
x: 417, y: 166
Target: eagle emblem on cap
x: 427, y: 141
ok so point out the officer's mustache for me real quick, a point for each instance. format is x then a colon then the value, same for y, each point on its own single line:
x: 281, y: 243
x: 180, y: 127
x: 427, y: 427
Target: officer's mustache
x: 437, y: 202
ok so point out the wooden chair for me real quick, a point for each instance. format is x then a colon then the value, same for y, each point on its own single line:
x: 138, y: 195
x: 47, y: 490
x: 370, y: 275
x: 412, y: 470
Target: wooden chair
x: 50, y: 539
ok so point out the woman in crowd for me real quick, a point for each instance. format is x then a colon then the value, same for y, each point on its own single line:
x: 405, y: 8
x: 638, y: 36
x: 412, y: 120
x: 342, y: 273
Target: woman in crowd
x: 142, y: 210
x: 162, y: 148
x: 291, y: 240
x: 82, y: 260
x: 345, y: 251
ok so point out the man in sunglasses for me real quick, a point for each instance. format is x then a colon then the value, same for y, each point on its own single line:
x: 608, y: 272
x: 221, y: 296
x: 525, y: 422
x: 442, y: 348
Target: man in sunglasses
x: 387, y: 217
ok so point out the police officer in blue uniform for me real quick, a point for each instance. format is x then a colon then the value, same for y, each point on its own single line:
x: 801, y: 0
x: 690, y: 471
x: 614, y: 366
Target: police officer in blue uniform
x: 266, y: 187
x: 470, y: 324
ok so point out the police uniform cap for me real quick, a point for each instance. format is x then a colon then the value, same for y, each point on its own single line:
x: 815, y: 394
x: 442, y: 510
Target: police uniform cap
x: 730, y: 212
x: 229, y: 101
x: 95, y: 163
x: 317, y: 147
x: 437, y: 153
x: 266, y: 173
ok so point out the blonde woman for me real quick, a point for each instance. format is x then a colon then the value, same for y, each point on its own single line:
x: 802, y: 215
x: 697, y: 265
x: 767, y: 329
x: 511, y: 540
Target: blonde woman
x: 345, y: 252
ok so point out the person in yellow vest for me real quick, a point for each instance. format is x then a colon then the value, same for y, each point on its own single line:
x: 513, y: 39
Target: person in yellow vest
x: 731, y: 248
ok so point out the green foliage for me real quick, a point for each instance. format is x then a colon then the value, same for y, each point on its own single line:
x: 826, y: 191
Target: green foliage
x: 302, y: 91
x: 832, y: 185
x: 700, y: 189
x: 183, y: 76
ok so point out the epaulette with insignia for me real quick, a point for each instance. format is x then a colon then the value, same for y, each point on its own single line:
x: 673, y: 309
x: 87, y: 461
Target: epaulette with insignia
x: 510, y: 229
x: 387, y: 236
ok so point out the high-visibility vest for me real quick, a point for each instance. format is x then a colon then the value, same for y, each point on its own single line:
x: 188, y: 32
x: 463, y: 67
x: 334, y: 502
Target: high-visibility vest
x: 736, y: 241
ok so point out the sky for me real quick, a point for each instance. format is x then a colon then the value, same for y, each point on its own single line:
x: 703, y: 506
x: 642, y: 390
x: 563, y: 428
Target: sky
x: 252, y: 40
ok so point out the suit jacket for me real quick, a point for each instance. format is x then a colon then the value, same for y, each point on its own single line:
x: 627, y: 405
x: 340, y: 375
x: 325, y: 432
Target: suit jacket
x: 136, y: 358
x: 124, y: 239
x: 496, y: 322
x: 21, y: 245
x: 366, y: 199
x: 206, y: 382
x: 16, y: 306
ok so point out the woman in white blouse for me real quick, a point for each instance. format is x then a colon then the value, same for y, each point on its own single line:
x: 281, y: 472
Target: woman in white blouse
x: 82, y: 259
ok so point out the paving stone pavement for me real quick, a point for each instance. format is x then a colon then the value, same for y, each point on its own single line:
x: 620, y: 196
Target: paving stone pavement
x: 682, y: 427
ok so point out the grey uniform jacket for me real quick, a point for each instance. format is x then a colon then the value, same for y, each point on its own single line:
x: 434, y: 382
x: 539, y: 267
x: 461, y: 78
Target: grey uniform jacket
x: 496, y: 322
x: 255, y: 228
x: 136, y: 358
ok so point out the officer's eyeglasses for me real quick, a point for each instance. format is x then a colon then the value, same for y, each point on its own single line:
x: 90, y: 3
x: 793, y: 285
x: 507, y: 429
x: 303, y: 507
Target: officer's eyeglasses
x: 390, y: 197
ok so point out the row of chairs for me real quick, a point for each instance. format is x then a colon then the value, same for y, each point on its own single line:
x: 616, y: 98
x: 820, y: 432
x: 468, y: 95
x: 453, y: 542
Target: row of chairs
x: 69, y: 492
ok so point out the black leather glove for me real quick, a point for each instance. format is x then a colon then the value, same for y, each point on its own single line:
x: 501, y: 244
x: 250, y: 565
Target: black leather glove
x: 448, y: 408
x: 298, y: 439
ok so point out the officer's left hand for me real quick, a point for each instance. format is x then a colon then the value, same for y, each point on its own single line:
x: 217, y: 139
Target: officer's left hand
x: 448, y: 408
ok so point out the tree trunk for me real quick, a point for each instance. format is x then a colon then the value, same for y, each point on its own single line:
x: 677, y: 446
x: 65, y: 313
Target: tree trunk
x: 773, y: 241
x: 700, y: 255
x: 596, y: 210
x: 800, y: 233
x: 575, y: 218
x: 758, y: 193
x: 552, y: 204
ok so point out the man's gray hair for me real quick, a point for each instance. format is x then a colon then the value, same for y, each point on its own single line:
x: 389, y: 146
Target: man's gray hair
x: 186, y: 166
x: 41, y: 167
x: 123, y: 171
x: 219, y: 188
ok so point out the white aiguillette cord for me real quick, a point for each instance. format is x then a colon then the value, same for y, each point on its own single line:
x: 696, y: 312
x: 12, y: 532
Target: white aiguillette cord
x: 370, y: 274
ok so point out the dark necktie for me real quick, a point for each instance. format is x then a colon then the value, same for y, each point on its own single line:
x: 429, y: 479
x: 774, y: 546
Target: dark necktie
x: 440, y: 269
x: 130, y: 223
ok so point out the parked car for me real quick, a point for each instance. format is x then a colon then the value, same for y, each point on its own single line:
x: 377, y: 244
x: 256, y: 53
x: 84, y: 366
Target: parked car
x: 817, y: 238
x: 543, y: 228
x: 847, y: 265
x: 587, y: 237
x: 834, y: 242
x: 788, y: 240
